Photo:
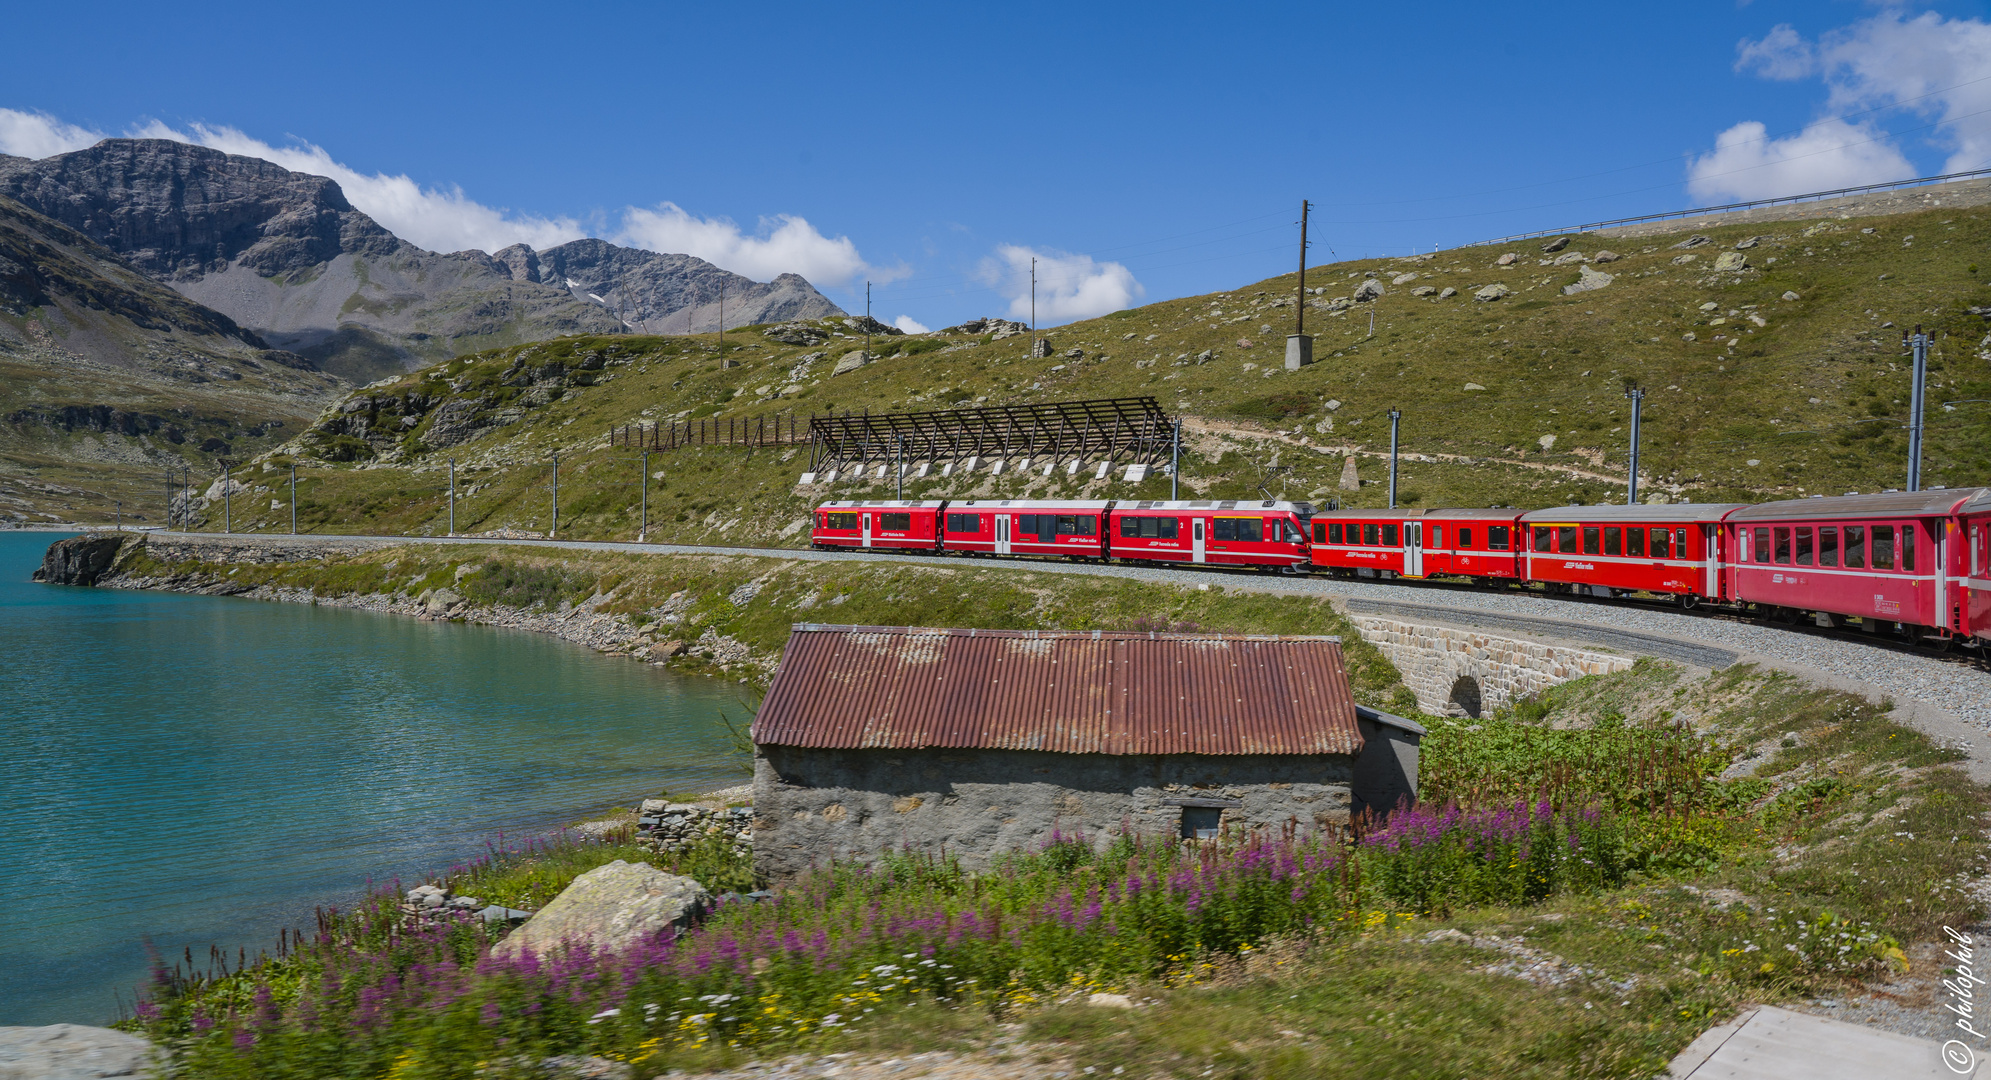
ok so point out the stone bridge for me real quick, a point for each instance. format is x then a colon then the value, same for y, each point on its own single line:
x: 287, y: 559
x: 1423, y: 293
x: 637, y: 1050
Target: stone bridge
x: 1459, y: 671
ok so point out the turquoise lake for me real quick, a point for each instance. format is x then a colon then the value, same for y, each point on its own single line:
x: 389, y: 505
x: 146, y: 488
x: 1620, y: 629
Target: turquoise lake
x: 205, y: 770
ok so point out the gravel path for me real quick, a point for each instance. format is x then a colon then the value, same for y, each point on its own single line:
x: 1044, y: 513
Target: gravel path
x: 1958, y: 688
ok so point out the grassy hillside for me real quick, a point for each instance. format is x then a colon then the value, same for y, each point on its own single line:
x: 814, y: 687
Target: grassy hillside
x: 107, y: 378
x: 1751, y: 393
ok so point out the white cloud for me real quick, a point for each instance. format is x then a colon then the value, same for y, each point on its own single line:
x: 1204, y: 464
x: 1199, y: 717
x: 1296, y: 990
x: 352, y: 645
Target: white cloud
x: 440, y: 220
x: 1745, y: 164
x: 1938, y: 69
x: 911, y: 325
x: 39, y: 135
x: 1069, y: 286
x: 786, y: 244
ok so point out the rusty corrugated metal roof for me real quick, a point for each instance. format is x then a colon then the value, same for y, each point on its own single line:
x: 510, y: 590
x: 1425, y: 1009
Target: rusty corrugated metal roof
x: 1097, y: 692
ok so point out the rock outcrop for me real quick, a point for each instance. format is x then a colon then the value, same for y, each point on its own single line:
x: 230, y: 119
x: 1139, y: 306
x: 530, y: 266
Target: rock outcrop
x: 610, y: 909
x: 664, y: 294
x: 73, y: 1052
x: 79, y: 560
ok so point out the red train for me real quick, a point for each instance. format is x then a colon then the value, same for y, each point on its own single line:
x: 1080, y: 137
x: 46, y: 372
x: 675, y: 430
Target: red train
x: 1913, y: 564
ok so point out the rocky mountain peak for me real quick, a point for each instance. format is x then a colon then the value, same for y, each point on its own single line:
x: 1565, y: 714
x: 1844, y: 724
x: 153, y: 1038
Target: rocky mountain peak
x: 179, y: 211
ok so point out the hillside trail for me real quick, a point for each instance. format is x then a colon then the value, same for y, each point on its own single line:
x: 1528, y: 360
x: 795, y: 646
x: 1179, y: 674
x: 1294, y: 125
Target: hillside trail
x: 1238, y: 431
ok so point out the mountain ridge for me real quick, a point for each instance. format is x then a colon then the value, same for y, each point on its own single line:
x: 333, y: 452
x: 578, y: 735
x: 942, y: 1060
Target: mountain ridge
x: 287, y: 255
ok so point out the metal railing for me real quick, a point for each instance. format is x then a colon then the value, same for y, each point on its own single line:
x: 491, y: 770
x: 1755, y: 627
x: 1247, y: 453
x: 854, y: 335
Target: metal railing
x: 1732, y: 207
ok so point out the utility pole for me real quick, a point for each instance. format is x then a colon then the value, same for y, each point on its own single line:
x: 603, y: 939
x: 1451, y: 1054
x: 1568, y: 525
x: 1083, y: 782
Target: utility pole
x: 867, y: 320
x: 1300, y: 347
x: 1175, y: 462
x: 554, y: 532
x: 643, y: 527
x: 227, y: 519
x: 452, y: 496
x: 1920, y: 344
x: 120, y: 506
x: 1637, y: 394
x: 722, y: 322
x: 1395, y: 415
x: 169, y: 496
x: 1033, y: 305
x: 899, y: 468
x: 186, y: 496
x: 293, y: 498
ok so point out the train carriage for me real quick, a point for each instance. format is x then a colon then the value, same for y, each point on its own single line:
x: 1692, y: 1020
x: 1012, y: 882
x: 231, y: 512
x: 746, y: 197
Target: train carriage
x: 1481, y: 544
x: 1605, y: 550
x: 1074, y: 528
x: 1911, y: 562
x: 1268, y: 534
x: 881, y: 524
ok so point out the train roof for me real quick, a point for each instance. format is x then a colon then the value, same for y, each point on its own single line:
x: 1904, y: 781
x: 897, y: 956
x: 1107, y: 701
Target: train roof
x: 910, y: 503
x: 1034, y: 504
x: 1444, y: 513
x: 1666, y: 514
x: 1300, y: 508
x: 1905, y: 503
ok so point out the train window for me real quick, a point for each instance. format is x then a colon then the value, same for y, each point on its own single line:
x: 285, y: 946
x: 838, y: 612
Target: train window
x: 1465, y: 538
x: 1167, y: 529
x: 1389, y: 536
x: 1026, y: 524
x: 964, y: 523
x: 1320, y: 532
x: 1803, y: 547
x: 1680, y: 543
x: 1542, y: 537
x: 1613, y: 541
x: 1828, y: 547
x: 1496, y: 537
x: 1076, y: 524
x: 1783, y: 546
x: 1565, y: 536
x: 1334, y: 533
x: 1908, y: 546
x: 1370, y: 535
x: 1251, y: 529
x: 1130, y: 526
x: 1224, y: 529
x: 1883, y: 547
x: 1661, y: 549
x: 841, y: 520
x: 902, y: 522
x: 1436, y: 539
x: 1635, y: 542
x: 1590, y: 540
x: 1762, y: 544
x: 1856, y: 546
x: 1294, y: 534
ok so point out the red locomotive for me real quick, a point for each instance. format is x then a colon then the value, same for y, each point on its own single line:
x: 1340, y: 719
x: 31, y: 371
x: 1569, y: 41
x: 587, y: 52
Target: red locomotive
x: 1266, y: 534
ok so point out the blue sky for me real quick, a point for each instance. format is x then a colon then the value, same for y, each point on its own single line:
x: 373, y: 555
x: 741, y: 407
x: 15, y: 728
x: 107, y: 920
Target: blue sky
x: 1139, y: 151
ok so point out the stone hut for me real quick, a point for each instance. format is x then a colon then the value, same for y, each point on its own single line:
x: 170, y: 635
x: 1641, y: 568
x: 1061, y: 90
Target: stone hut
x: 978, y: 742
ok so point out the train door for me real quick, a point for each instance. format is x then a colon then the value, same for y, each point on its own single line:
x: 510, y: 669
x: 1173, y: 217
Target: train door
x: 1413, y: 549
x: 1196, y: 540
x: 867, y: 529
x: 1002, y: 534
x: 1711, y: 556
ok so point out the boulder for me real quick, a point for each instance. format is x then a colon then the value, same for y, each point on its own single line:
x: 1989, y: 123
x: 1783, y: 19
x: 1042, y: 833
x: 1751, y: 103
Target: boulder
x: 797, y: 333
x: 1506, y: 260
x: 610, y: 908
x: 865, y: 324
x: 1474, y: 386
x: 220, y: 487
x: 1731, y: 260
x: 1555, y: 245
x: 1404, y: 279
x: 1788, y: 295
x: 442, y: 602
x: 1693, y: 242
x: 1424, y: 290
x: 1569, y: 258
x: 1745, y: 245
x: 1492, y: 292
x: 1350, y: 480
x: 1370, y: 289
x: 850, y: 362
x: 1587, y: 279
x: 1447, y: 293
x: 73, y: 1052
x: 79, y: 560
x: 1603, y: 257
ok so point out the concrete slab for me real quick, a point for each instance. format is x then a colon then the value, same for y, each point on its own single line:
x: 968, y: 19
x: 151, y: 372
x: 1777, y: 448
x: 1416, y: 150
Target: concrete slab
x: 1768, y: 1043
